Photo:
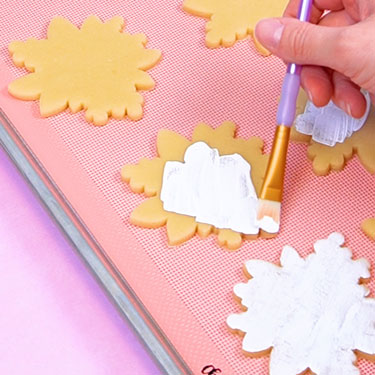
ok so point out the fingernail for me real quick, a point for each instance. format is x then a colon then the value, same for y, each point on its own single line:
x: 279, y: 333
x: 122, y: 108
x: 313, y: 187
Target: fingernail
x: 309, y: 95
x: 348, y: 110
x: 342, y: 105
x: 269, y: 32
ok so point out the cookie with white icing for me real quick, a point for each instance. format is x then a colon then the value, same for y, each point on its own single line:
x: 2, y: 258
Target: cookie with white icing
x: 311, y: 313
x: 325, y: 158
x: 214, y: 189
x: 176, y: 161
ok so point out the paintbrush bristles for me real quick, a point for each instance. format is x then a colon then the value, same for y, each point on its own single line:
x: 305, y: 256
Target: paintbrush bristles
x: 269, y: 208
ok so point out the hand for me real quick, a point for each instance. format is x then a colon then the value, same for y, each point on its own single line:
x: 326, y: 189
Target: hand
x: 337, y: 50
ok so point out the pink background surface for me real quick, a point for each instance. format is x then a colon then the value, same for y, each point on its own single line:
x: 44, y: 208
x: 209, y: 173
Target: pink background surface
x: 54, y: 317
x: 187, y: 289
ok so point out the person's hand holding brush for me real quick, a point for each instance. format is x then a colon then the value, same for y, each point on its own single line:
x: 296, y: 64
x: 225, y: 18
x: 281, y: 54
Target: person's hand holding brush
x: 337, y: 50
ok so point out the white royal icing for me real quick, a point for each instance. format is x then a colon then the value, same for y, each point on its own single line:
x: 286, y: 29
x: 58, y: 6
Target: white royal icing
x: 330, y: 124
x: 214, y: 189
x: 312, y: 312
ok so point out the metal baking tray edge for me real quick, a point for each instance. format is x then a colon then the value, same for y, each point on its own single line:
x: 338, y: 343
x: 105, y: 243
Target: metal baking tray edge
x: 115, y: 286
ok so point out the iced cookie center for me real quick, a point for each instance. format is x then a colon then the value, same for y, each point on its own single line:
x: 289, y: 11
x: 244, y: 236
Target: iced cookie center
x: 216, y: 190
x: 330, y: 125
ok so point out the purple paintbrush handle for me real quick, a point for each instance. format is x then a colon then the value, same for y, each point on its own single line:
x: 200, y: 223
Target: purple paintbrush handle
x: 286, y: 111
x: 287, y: 107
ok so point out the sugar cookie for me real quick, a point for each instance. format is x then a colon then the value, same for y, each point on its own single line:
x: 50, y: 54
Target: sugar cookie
x: 368, y: 227
x: 326, y: 158
x: 233, y: 20
x: 147, y: 177
x: 309, y: 313
x: 97, y: 68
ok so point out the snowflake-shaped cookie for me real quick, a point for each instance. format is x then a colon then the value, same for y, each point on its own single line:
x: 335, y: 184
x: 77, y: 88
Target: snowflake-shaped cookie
x: 231, y: 20
x: 312, y: 312
x: 326, y: 158
x: 97, y: 68
x: 146, y: 177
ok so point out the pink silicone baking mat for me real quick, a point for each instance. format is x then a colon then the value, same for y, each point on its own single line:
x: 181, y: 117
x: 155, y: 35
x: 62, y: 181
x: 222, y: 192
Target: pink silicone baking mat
x: 187, y: 289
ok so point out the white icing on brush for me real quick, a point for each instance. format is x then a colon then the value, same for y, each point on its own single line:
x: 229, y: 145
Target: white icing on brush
x: 214, y: 189
x: 330, y: 124
x: 312, y: 312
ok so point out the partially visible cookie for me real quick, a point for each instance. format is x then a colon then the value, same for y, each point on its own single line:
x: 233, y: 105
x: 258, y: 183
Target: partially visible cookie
x: 368, y: 227
x: 326, y: 158
x: 233, y: 20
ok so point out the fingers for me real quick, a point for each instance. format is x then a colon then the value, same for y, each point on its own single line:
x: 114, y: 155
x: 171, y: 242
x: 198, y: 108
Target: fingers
x: 329, y: 4
x: 321, y: 88
x: 348, y: 96
x: 300, y: 42
x: 335, y: 19
x: 293, y: 7
x: 317, y: 9
x: 317, y: 83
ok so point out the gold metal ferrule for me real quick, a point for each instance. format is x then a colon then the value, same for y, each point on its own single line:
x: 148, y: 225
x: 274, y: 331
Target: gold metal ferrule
x: 273, y: 183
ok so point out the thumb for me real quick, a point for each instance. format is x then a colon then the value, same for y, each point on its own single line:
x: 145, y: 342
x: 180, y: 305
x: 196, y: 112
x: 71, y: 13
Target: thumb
x: 301, y: 42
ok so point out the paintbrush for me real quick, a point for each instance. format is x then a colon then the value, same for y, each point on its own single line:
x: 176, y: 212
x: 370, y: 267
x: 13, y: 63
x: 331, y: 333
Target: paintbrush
x: 272, y: 189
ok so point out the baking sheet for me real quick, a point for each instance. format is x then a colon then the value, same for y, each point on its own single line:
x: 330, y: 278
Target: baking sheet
x: 187, y: 289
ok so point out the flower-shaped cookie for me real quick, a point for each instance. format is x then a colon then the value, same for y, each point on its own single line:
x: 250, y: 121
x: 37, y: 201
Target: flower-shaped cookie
x: 309, y: 313
x: 326, y: 158
x: 233, y: 20
x: 146, y: 177
x: 97, y: 68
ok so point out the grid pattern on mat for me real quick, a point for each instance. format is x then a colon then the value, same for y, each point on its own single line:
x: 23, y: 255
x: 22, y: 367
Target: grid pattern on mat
x: 195, y: 84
